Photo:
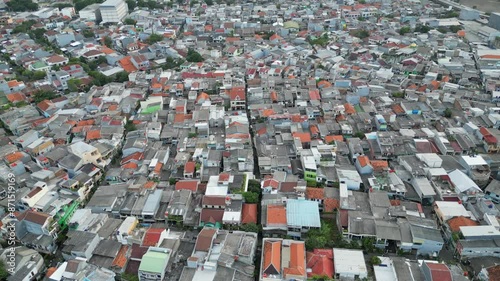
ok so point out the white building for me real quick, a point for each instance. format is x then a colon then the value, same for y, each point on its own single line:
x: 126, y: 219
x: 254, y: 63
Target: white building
x: 349, y: 264
x: 113, y: 10
x: 90, y: 13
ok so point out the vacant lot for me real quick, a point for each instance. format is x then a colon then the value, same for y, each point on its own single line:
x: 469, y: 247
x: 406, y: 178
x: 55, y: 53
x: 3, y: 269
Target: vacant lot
x: 486, y: 6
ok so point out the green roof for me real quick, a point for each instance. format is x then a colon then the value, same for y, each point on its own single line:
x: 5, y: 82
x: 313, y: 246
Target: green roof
x: 291, y: 24
x: 39, y: 64
x: 155, y: 262
x: 151, y: 109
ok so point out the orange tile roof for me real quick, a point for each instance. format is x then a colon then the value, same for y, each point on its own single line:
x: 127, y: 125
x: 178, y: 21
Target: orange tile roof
x: 315, y: 193
x: 16, y: 97
x: 189, y: 167
x: 330, y: 204
x: 274, y: 96
x: 272, y: 258
x: 304, y: 137
x: 314, y: 129
x: 157, y: 169
x: 113, y: 107
x: 363, y: 160
x: 379, y: 164
x: 349, y: 108
x: 461, y: 33
x: 297, y: 264
x: 130, y: 165
x: 495, y: 57
x: 456, y: 222
x: 50, y: 271
x: 249, y: 213
x: 13, y: 157
x: 395, y: 202
x: 435, y: 84
x: 121, y: 258
x: 397, y: 109
x: 267, y: 112
x: 149, y: 185
x: 14, y: 83
x: 332, y: 138
x: 127, y: 65
x: 276, y: 214
x: 86, y: 122
x: 93, y: 135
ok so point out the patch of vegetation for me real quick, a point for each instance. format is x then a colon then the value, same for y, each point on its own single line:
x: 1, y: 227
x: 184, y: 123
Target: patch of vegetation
x: 153, y: 38
x: 80, y: 4
x: 361, y: 34
x: 321, y: 41
x: 448, y: 113
x: 21, y: 5
x: 405, y: 29
x: 250, y: 227
x: 129, y: 21
x: 375, y: 260
x: 130, y: 127
x: 44, y: 95
x: 422, y: 28
x: 251, y: 197
x: 194, y: 56
x: 398, y: 95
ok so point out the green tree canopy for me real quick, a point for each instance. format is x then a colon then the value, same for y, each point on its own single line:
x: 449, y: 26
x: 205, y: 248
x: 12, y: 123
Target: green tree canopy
x: 250, y: 227
x: 153, y: 38
x: 129, y: 21
x: 22, y: 5
x: 194, y: 56
x: 251, y: 197
x: 44, y: 95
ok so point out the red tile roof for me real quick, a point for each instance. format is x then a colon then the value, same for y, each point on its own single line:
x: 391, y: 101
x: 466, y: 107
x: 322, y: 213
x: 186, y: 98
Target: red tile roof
x: 189, y: 167
x: 320, y: 263
x: 439, y: 272
x: 187, y: 184
x: 271, y: 264
x: 456, y: 222
x: 121, y: 258
x: 330, y: 204
x: 152, y: 237
x: 304, y: 137
x: 93, y: 135
x: 332, y: 138
x: 363, y: 160
x: 249, y: 213
x: 211, y: 215
x: 276, y: 214
x: 204, y: 240
x: 297, y: 264
x: 315, y: 193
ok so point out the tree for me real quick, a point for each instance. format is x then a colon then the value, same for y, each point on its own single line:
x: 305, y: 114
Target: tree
x: 88, y: 33
x: 172, y: 181
x: 121, y: 77
x: 209, y: 2
x: 251, y: 197
x: 74, y: 84
x: 194, y: 56
x: 316, y: 242
x: 129, y: 21
x: 108, y: 42
x: 367, y: 244
x: 254, y: 186
x: 448, y: 113
x: 131, y: 4
x: 37, y: 34
x: 44, y: 95
x: 405, y: 29
x: 361, y: 34
x: 375, y: 260
x: 153, y: 38
x: 22, y: 5
x: 455, y: 28
x: 250, y: 227
x: 4, y: 274
x: 422, y: 28
x: 442, y: 29
x: 360, y: 135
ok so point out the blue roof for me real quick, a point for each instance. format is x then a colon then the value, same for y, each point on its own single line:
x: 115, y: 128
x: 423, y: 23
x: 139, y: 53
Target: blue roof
x: 301, y: 212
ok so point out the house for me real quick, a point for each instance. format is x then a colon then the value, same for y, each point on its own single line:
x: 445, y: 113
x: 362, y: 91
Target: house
x: 178, y: 206
x: 492, y: 191
x: 140, y: 62
x: 434, y: 271
x: 349, y: 264
x: 27, y: 264
x: 237, y: 98
x: 36, y: 230
x: 80, y: 244
x: 189, y: 170
x: 291, y: 252
x: 320, y: 263
x: 154, y: 264
x: 301, y: 216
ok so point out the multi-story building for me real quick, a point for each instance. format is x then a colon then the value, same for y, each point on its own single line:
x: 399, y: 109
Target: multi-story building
x: 113, y: 10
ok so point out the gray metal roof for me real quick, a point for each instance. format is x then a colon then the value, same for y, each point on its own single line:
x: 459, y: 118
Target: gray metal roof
x: 301, y: 212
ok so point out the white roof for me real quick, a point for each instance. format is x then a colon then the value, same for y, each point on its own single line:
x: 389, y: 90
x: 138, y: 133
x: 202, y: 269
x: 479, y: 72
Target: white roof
x: 349, y: 262
x: 385, y: 271
x: 462, y: 182
x: 452, y: 209
x: 479, y: 230
x: 477, y: 160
